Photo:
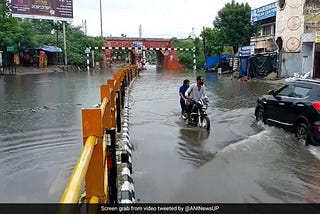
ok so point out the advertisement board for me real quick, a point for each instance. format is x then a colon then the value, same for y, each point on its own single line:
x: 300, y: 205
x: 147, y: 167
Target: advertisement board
x: 60, y: 10
x: 264, y: 12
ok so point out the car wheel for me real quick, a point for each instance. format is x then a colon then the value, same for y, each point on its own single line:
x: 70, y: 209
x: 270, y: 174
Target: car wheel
x: 260, y: 115
x: 302, y: 133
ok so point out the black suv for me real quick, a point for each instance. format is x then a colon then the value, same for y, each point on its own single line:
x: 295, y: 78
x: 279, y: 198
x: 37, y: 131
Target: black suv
x: 294, y: 107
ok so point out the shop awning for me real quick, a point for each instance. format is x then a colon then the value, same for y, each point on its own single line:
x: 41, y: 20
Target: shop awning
x: 48, y: 48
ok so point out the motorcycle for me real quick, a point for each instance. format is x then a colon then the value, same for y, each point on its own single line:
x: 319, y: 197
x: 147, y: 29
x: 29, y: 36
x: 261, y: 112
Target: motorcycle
x: 198, y: 116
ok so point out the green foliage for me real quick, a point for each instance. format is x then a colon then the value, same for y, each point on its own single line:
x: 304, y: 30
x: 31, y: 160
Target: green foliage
x: 227, y: 49
x: 4, y: 9
x: 28, y: 36
x: 44, y: 26
x: 212, y: 42
x: 33, y: 33
x: 16, y: 32
x: 232, y: 28
x: 76, y: 43
x: 233, y: 24
x: 186, y: 57
x: 199, y: 54
x: 183, y: 43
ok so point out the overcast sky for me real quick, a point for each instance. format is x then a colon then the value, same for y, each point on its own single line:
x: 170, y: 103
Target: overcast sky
x: 159, y: 18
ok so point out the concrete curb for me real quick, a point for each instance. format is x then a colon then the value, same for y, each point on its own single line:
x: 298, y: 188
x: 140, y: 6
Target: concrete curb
x: 126, y: 194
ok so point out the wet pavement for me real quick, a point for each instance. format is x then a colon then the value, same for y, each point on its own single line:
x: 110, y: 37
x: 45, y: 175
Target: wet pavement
x: 40, y: 131
x: 237, y: 161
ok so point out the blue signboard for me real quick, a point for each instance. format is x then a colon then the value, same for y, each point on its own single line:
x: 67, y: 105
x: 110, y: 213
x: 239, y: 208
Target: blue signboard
x: 137, y: 44
x: 244, y: 51
x: 264, y: 12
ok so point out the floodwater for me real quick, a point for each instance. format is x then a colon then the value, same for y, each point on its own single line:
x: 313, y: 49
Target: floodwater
x: 40, y: 131
x: 237, y: 161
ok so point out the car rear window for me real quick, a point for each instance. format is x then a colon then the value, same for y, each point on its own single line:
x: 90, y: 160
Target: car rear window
x: 300, y: 92
x: 295, y: 91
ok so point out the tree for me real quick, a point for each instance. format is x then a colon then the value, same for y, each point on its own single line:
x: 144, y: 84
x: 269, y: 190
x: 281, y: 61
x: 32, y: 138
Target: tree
x: 199, y: 53
x: 44, y: 26
x: 212, y: 43
x: 32, y: 33
x: 4, y: 9
x: 233, y: 24
x: 77, y: 41
x: 186, y: 57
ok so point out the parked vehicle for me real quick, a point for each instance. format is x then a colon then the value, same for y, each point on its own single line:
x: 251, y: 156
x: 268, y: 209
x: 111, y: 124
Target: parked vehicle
x: 198, y: 116
x: 294, y: 107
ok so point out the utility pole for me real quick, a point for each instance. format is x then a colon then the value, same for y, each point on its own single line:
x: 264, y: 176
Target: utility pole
x: 57, y: 33
x: 84, y: 26
x: 101, y: 20
x: 204, y: 45
x: 65, y: 43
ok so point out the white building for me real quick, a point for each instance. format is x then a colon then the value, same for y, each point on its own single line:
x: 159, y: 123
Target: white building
x: 296, y: 25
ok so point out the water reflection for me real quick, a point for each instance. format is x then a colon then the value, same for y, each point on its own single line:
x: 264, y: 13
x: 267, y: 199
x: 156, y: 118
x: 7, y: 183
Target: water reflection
x: 194, y: 136
x: 262, y: 163
x: 231, y: 94
x: 192, y: 147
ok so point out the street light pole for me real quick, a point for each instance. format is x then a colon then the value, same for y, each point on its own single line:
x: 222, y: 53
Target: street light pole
x: 101, y: 19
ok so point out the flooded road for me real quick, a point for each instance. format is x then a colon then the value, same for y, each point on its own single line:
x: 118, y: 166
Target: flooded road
x: 40, y: 131
x: 237, y: 161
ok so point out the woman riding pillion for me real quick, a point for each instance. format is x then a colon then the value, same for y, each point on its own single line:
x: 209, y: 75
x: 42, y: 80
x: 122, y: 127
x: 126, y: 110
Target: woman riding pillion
x: 183, y: 99
x: 194, y: 93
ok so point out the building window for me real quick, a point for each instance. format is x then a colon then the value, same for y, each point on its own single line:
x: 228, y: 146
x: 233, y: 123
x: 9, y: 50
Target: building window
x: 281, y: 4
x: 268, y: 30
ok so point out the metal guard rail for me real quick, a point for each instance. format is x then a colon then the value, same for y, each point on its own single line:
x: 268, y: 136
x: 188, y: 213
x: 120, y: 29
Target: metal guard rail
x: 73, y: 189
x: 91, y: 166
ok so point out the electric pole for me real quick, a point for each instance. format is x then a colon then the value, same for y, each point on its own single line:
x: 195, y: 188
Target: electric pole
x: 101, y: 20
x: 84, y: 26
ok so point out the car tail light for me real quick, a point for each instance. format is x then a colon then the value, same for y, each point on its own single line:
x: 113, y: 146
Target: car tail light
x: 318, y: 127
x: 316, y: 105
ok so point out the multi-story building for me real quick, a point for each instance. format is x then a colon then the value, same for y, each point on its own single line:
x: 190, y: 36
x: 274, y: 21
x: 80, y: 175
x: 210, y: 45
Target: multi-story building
x: 265, y: 17
x: 296, y: 34
x: 294, y: 25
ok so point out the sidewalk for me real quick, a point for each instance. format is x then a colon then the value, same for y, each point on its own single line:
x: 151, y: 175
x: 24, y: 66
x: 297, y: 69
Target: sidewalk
x: 22, y: 70
x: 272, y: 78
x: 270, y: 81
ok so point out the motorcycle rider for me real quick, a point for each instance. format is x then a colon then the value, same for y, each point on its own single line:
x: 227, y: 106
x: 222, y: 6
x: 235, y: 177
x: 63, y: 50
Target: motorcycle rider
x: 194, y: 93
